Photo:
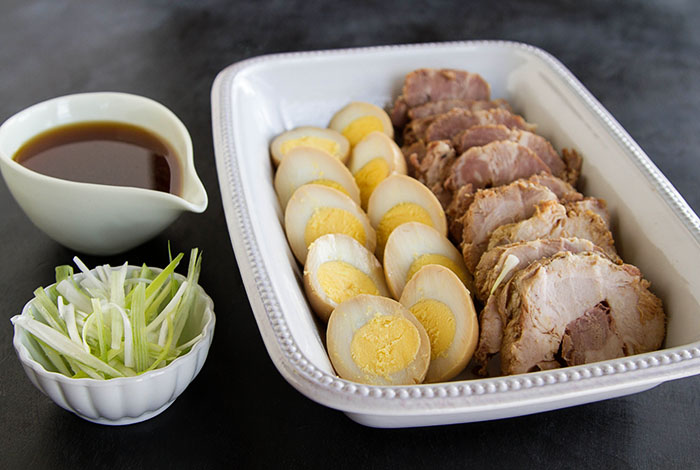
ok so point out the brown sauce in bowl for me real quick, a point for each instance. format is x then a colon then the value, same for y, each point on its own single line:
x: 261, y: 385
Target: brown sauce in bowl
x: 102, y: 152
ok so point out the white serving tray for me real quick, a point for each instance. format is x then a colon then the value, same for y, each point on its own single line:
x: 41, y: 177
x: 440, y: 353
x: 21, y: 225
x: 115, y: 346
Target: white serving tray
x: 654, y: 228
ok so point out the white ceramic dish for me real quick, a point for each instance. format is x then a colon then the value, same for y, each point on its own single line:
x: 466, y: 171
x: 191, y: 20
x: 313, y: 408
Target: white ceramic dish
x: 254, y: 100
x: 125, y: 400
x: 96, y: 218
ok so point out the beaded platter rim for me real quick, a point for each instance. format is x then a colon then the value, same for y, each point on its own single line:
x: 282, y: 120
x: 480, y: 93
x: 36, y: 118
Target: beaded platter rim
x: 644, y: 370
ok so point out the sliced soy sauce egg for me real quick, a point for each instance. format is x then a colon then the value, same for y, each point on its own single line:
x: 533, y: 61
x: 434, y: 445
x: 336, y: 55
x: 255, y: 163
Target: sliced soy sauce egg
x: 439, y: 300
x: 328, y: 140
x: 315, y: 210
x: 304, y: 165
x: 414, y: 245
x: 376, y: 340
x: 357, y: 119
x: 338, y: 268
x: 372, y: 160
x: 399, y: 199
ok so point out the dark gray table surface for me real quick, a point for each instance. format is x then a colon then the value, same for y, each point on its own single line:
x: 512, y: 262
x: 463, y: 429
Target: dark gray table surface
x: 641, y: 59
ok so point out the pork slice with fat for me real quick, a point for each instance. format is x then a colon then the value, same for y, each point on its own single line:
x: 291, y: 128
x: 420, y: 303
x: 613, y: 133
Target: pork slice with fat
x: 549, y: 296
x: 434, y: 168
x: 494, y: 164
x: 481, y: 135
x: 493, y: 274
x: 552, y: 220
x: 399, y: 113
x: 494, y: 207
x: 433, y: 108
x: 463, y: 197
x: 451, y: 123
x: 414, y: 155
x: 502, y: 262
x: 595, y: 205
x: 424, y: 85
x: 415, y: 130
x: 573, y: 161
x: 564, y: 191
x: 592, y: 337
x: 457, y: 209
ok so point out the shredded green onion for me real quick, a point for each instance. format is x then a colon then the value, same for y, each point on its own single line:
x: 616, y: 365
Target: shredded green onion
x: 111, y: 323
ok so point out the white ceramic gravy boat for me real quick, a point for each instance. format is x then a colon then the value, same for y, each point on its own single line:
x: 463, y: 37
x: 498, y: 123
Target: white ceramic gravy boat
x: 95, y: 218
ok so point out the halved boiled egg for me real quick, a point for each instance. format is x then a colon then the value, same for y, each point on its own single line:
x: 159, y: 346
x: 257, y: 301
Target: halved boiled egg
x: 399, y: 199
x: 358, y: 119
x: 328, y: 140
x: 376, y: 340
x: 315, y: 210
x: 439, y: 300
x: 414, y: 245
x: 338, y: 268
x: 374, y: 158
x: 305, y: 165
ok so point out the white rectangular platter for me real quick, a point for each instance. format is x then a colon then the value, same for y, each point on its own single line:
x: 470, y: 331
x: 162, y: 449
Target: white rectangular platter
x: 654, y: 228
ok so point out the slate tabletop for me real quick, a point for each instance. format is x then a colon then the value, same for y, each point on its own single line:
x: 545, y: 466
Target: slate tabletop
x: 641, y: 59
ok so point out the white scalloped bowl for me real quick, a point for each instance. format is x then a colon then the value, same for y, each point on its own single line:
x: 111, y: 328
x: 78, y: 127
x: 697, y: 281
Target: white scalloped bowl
x: 125, y: 400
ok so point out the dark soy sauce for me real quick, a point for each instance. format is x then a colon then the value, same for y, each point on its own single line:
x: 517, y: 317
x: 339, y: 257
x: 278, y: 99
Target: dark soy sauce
x: 110, y: 153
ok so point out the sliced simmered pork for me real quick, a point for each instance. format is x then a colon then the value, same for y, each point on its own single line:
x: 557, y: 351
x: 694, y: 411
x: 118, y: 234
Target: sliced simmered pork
x: 399, y: 113
x: 434, y: 168
x: 494, y: 164
x: 463, y: 197
x: 549, y: 295
x: 415, y: 130
x: 478, y: 136
x: 564, y: 191
x: 500, y: 265
x: 573, y: 161
x: 494, y: 207
x: 424, y: 85
x: 552, y: 220
x: 491, y: 266
x: 592, y: 337
x: 414, y: 155
x: 433, y: 108
x: 451, y: 123
x: 595, y: 205
x: 457, y: 210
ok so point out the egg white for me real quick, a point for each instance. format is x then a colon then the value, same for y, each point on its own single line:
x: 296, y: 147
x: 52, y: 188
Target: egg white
x: 301, y: 206
x: 304, y: 165
x: 439, y: 283
x: 377, y: 145
x: 407, y: 243
x: 310, y: 131
x: 338, y: 247
x: 356, y: 110
x: 397, y: 189
x: 352, y: 315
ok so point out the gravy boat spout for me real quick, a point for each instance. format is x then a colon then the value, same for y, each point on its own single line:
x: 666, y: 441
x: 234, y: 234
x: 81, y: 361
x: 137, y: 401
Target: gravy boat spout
x: 96, y: 218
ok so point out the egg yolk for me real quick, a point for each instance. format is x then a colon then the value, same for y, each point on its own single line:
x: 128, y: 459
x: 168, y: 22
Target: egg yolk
x: 439, y: 322
x: 360, y: 127
x: 442, y: 260
x: 342, y: 281
x: 397, y: 215
x: 370, y: 176
x: 326, y: 220
x: 327, y: 145
x: 331, y: 184
x: 384, y: 345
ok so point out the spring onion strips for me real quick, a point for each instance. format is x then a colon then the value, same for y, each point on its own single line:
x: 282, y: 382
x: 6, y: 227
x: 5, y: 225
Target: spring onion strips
x: 112, y: 322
